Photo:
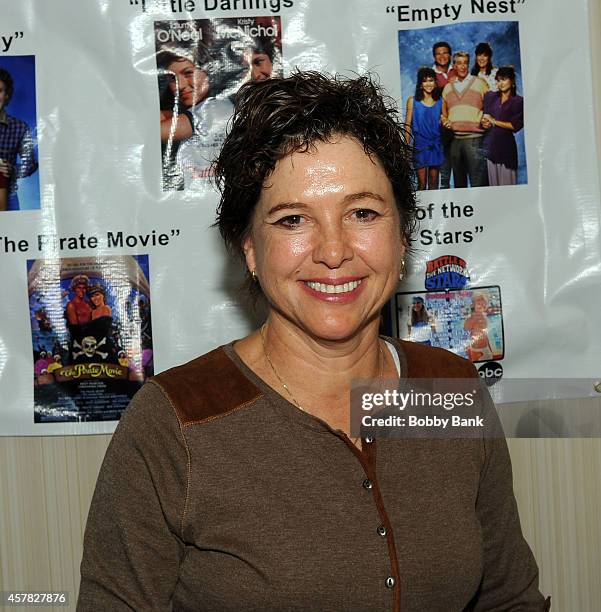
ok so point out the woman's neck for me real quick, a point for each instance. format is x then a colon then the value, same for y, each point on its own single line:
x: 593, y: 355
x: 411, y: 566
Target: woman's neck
x: 313, y: 373
x: 302, y: 354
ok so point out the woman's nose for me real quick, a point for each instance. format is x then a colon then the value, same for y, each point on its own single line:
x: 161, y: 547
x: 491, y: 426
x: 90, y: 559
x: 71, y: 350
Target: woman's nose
x: 332, y: 246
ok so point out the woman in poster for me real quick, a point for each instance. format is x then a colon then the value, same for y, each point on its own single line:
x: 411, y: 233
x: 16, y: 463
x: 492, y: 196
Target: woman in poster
x: 259, y: 58
x: 420, y: 325
x: 234, y: 482
x: 100, y: 308
x: 483, y: 66
x: 476, y: 324
x: 422, y: 121
x: 187, y: 86
x: 503, y: 117
x: 193, y: 116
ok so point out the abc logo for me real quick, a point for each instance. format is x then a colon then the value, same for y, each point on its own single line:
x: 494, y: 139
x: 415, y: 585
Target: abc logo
x: 491, y: 372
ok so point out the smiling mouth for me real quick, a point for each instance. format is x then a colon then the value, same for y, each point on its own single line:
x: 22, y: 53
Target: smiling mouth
x: 342, y: 288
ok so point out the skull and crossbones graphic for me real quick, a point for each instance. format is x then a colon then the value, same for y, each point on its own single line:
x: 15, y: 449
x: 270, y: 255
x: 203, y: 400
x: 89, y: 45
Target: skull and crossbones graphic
x: 89, y: 347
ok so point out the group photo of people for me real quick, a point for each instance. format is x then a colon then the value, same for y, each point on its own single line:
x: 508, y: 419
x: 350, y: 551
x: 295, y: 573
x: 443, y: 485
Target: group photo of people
x: 464, y: 108
x: 19, y: 183
x: 201, y: 65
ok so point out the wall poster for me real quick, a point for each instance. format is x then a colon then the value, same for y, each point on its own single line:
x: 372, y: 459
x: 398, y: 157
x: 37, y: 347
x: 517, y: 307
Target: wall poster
x: 107, y: 133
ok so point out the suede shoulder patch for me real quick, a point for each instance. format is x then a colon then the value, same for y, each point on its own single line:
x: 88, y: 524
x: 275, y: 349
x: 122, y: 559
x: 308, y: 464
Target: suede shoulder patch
x: 206, y: 388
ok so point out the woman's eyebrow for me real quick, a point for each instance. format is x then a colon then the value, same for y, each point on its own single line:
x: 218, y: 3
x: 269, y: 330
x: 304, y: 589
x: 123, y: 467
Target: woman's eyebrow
x: 286, y: 205
x: 352, y: 197
x: 363, y: 195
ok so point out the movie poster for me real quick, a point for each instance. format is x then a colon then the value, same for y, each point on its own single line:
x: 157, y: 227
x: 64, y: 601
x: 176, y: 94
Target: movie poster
x: 201, y: 64
x: 468, y: 322
x: 91, y: 335
x: 19, y: 182
x: 464, y: 101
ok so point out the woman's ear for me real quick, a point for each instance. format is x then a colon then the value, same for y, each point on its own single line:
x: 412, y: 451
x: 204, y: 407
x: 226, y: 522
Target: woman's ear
x: 248, y: 249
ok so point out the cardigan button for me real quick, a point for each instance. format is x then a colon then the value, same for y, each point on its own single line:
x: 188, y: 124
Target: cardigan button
x: 367, y: 484
x: 368, y: 439
x: 382, y: 530
x: 390, y: 582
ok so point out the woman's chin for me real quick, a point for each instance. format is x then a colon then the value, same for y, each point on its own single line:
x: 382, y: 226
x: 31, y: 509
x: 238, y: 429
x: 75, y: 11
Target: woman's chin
x: 334, y: 330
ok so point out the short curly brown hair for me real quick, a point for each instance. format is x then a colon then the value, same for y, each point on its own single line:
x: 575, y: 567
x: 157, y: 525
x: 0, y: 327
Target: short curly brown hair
x: 280, y: 116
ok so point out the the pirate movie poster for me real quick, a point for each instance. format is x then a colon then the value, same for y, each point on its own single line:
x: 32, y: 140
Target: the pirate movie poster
x: 91, y: 335
x: 201, y: 64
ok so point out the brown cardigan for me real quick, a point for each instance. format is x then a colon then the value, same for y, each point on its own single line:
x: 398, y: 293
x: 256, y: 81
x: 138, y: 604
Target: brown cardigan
x: 216, y: 494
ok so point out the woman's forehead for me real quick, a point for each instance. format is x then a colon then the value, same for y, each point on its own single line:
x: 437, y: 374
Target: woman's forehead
x: 337, y: 162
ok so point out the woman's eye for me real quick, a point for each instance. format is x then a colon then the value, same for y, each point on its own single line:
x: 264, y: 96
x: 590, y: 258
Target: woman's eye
x: 291, y: 221
x: 365, y: 214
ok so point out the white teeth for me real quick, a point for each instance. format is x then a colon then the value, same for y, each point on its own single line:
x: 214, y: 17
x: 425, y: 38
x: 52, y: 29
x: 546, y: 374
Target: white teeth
x: 344, y: 288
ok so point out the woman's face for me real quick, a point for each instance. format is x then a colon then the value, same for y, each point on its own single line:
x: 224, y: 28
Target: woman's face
x: 480, y: 304
x: 504, y: 84
x: 97, y: 299
x: 482, y: 60
x: 428, y: 85
x: 189, y: 84
x: 260, y: 67
x: 325, y: 239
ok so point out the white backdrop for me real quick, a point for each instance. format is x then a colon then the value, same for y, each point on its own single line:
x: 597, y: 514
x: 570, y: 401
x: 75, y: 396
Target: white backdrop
x: 100, y: 171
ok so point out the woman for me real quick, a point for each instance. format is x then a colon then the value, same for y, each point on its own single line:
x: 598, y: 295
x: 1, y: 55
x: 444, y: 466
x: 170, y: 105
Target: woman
x: 259, y: 57
x: 423, y: 120
x: 483, y: 66
x: 233, y: 482
x: 194, y: 115
x: 476, y: 324
x: 420, y: 325
x: 100, y: 308
x: 503, y: 116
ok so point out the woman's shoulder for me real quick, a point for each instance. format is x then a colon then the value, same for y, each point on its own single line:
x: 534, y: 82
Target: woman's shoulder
x: 206, y: 387
x: 517, y: 101
x: 423, y: 361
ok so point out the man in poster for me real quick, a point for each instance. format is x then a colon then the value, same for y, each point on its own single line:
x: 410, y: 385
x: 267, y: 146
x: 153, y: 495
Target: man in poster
x: 79, y: 310
x: 15, y: 141
x: 462, y: 108
x: 441, y: 51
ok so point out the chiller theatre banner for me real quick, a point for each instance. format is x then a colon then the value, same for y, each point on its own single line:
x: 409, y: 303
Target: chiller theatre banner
x: 110, y: 117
